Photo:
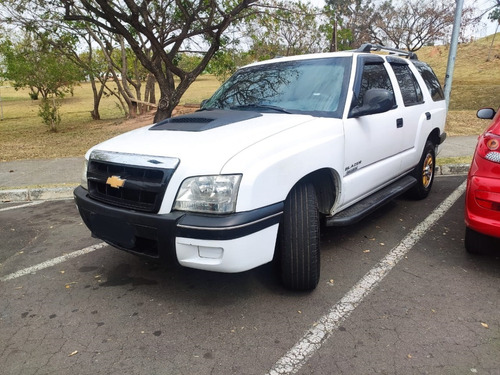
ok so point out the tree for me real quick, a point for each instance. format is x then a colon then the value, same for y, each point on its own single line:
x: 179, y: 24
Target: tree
x: 35, y: 64
x: 225, y: 62
x: 411, y: 24
x: 284, y: 28
x: 157, y: 32
x: 350, y: 22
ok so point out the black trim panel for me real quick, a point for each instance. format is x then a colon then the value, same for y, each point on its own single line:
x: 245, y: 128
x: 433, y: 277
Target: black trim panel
x: 442, y: 137
x: 363, y: 208
x: 211, y: 227
x: 153, y: 235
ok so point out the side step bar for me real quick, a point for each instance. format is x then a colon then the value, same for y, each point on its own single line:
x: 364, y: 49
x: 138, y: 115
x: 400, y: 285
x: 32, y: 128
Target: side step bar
x: 366, y: 206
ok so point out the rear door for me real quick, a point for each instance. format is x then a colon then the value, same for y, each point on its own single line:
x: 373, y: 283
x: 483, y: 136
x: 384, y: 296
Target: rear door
x: 414, y: 111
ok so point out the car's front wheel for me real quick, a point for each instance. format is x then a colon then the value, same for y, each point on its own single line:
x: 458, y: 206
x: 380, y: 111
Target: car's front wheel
x: 299, y: 239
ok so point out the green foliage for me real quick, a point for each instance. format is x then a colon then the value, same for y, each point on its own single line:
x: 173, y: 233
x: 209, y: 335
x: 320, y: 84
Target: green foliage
x: 225, y: 63
x: 285, y: 28
x: 495, y: 14
x: 222, y: 65
x: 48, y: 110
x: 188, y: 62
x: 345, y: 37
x: 35, y: 64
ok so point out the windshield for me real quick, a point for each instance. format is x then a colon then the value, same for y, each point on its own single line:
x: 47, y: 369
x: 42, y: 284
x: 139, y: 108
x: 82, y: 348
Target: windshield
x: 316, y: 87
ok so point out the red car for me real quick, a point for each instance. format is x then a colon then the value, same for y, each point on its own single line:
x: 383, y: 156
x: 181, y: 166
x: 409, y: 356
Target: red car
x: 482, y: 199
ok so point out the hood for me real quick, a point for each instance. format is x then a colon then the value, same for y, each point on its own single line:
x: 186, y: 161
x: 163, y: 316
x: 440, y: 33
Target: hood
x: 207, y: 138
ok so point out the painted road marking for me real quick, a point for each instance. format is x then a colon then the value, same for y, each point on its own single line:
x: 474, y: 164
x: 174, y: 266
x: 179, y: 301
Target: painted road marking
x: 35, y: 203
x: 321, y: 331
x: 53, y: 262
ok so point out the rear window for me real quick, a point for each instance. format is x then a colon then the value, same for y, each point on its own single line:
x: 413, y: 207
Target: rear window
x: 430, y: 80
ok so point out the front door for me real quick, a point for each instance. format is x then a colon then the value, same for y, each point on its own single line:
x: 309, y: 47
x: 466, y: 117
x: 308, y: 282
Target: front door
x: 373, y: 143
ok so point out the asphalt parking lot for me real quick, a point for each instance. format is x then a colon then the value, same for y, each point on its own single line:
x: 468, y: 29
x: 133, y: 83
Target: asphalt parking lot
x: 398, y: 295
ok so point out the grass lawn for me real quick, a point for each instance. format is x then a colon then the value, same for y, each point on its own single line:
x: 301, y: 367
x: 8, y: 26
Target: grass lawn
x: 476, y: 84
x: 24, y: 136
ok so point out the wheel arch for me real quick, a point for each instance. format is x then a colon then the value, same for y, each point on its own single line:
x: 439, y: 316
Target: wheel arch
x: 434, y: 137
x: 326, y: 183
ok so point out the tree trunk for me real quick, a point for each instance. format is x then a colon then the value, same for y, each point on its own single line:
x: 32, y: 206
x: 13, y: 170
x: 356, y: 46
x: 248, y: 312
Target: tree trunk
x: 149, y: 92
x: 165, y: 108
x: 97, y: 99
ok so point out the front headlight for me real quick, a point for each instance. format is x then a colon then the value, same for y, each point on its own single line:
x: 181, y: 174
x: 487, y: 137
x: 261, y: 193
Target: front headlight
x: 209, y: 194
x: 84, y: 182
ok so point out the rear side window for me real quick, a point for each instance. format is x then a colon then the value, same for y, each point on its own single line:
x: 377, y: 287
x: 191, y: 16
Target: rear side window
x: 430, y: 80
x: 410, y: 89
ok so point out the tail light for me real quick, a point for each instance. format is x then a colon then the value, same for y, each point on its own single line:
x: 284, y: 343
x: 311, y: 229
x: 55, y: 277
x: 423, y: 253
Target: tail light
x: 489, y: 147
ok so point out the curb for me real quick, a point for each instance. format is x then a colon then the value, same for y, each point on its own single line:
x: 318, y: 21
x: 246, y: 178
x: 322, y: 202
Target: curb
x: 452, y: 169
x: 37, y: 194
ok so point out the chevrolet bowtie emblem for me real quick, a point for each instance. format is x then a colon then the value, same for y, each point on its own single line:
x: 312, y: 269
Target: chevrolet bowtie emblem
x: 115, y: 182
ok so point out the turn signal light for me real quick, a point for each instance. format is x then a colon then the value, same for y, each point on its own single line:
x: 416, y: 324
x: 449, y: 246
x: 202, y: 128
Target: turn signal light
x: 493, y: 144
x: 489, y: 147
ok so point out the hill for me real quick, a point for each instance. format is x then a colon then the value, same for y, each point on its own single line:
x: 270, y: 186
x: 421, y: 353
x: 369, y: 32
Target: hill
x: 476, y: 78
x: 476, y: 81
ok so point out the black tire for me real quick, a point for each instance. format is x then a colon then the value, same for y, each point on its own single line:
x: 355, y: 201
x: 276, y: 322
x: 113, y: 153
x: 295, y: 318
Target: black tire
x: 476, y: 243
x: 299, y: 239
x: 424, y: 172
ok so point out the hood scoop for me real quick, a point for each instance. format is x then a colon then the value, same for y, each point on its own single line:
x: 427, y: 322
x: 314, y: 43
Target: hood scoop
x: 204, y: 120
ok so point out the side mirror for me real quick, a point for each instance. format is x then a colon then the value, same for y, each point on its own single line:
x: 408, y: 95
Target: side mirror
x: 486, y: 113
x: 374, y: 101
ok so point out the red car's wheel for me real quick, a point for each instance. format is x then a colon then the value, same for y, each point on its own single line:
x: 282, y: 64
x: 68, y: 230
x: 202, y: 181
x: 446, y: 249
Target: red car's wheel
x: 475, y: 242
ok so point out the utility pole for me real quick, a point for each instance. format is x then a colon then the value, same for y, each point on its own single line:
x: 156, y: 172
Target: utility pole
x: 453, y: 51
x: 333, y: 42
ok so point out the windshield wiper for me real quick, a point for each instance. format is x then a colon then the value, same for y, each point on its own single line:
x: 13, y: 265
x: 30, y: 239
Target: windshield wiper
x: 261, y: 106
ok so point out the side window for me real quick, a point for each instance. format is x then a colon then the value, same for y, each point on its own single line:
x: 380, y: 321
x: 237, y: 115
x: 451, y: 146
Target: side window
x: 374, y: 77
x: 410, y: 89
x: 430, y: 80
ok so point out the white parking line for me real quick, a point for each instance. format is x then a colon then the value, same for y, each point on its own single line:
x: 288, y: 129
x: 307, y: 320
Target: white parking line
x: 21, y: 206
x: 321, y: 331
x: 53, y: 262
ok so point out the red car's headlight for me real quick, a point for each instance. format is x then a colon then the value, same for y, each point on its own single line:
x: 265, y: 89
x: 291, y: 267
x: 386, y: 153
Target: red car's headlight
x: 489, y: 147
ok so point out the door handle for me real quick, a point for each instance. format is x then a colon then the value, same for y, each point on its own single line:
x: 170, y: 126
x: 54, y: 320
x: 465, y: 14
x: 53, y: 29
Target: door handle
x: 399, y: 122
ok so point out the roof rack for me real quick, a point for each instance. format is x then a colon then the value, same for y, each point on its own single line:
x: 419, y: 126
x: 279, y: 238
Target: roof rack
x: 368, y: 47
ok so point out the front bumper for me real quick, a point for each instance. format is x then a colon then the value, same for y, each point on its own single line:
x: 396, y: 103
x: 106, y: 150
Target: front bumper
x: 222, y: 243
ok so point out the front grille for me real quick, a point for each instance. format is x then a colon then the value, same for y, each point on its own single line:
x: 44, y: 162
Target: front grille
x: 143, y: 187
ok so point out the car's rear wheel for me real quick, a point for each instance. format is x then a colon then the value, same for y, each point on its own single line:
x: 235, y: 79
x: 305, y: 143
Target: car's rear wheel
x: 299, y: 239
x: 424, y: 172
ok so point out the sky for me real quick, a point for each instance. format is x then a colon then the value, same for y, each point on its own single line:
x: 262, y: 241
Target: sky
x: 487, y: 27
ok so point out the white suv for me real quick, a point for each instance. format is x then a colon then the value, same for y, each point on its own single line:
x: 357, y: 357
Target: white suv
x: 282, y: 147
